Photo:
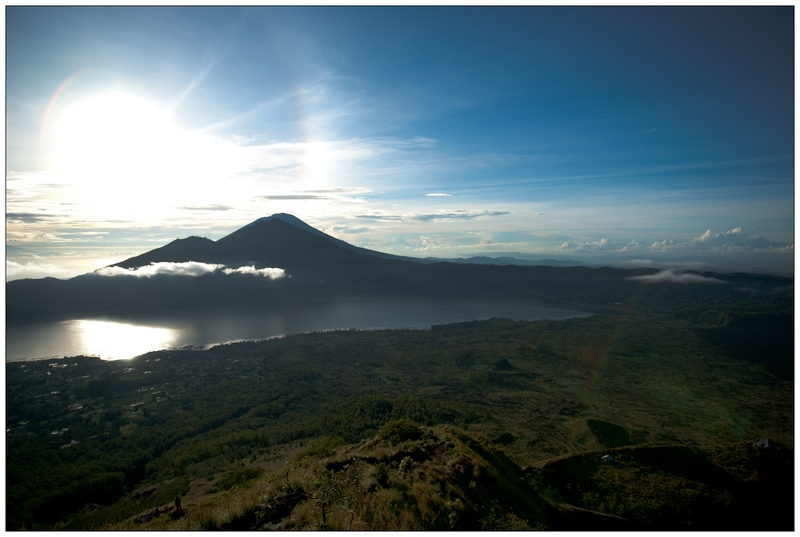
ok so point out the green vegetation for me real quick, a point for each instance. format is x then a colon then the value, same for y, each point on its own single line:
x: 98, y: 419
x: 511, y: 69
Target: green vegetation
x: 399, y: 430
x: 731, y: 487
x: 445, y: 478
x: 93, y: 444
x: 442, y: 479
x: 238, y: 478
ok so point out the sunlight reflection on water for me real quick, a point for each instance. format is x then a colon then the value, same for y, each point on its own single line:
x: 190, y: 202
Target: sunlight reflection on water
x: 124, y: 339
x: 114, y: 340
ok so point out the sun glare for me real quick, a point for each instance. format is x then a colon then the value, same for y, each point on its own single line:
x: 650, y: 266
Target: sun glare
x: 111, y: 130
x: 124, y: 153
x: 114, y: 341
x: 124, y: 157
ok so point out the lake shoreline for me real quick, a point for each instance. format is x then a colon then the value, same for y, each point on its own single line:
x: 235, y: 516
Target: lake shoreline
x: 106, y: 336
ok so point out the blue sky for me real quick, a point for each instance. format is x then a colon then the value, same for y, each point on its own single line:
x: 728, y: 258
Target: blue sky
x: 633, y: 136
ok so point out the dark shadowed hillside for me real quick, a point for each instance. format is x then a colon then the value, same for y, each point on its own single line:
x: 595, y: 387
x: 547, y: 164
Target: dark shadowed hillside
x: 178, y: 251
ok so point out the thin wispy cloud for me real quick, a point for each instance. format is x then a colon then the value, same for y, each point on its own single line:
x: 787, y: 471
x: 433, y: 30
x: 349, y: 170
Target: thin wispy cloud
x: 463, y: 214
x: 294, y: 197
x: 310, y: 197
x: 642, y: 171
x: 340, y: 195
x: 28, y: 218
x: 456, y: 215
x: 350, y: 191
x: 349, y: 230
x: 672, y: 276
x: 379, y: 217
x: 647, y: 263
x: 213, y: 207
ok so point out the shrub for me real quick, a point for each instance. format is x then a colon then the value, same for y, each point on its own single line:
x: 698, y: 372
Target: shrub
x: 238, y: 477
x: 322, y: 447
x: 399, y: 431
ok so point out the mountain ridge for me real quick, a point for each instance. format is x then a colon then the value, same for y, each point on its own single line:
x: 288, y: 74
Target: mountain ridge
x: 177, y: 251
x: 320, y: 267
x: 268, y: 241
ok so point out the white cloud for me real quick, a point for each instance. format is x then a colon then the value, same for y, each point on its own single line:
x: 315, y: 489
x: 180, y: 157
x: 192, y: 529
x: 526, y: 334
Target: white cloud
x: 438, y: 195
x: 704, y: 237
x: 18, y: 271
x: 429, y: 243
x: 584, y: 246
x: 733, y: 240
x: 348, y: 229
x: 731, y: 237
x: 671, y: 276
x: 633, y: 245
x: 271, y: 273
x: 663, y: 246
x: 189, y: 268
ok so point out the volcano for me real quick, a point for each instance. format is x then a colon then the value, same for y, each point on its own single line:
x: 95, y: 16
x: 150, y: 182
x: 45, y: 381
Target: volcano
x: 278, y: 241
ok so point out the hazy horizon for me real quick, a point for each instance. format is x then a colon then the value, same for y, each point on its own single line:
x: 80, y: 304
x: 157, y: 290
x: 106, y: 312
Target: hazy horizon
x: 628, y: 136
x: 696, y: 262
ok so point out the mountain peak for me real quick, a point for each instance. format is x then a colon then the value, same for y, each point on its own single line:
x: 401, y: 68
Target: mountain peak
x: 296, y: 222
x: 288, y: 219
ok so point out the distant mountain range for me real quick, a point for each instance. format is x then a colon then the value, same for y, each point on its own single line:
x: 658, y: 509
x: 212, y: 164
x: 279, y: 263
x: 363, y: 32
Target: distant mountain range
x: 507, y: 260
x: 198, y: 273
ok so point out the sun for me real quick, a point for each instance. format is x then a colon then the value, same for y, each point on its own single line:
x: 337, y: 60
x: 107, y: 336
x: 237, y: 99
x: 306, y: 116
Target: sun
x: 127, y: 157
x: 122, y: 157
x: 119, y: 152
x: 109, y: 129
x: 111, y: 138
